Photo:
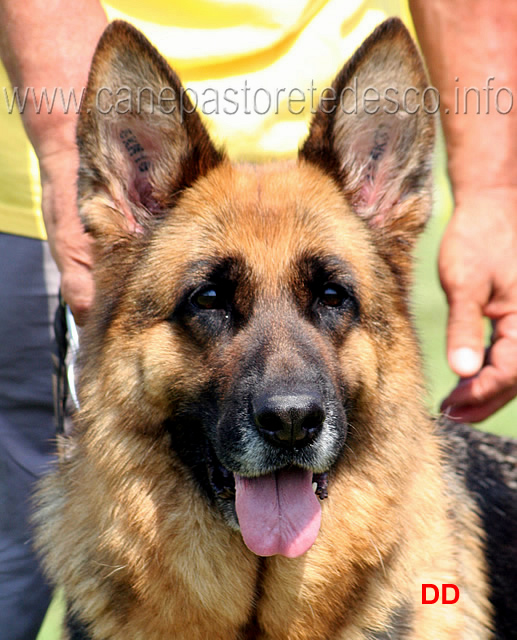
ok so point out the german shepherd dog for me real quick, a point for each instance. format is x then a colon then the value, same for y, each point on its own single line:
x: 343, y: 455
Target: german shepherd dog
x: 252, y: 458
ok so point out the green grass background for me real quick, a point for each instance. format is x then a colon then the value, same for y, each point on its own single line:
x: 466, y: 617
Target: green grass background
x: 430, y: 313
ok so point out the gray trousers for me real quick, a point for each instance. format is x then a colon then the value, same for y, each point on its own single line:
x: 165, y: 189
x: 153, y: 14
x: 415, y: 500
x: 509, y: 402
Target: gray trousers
x: 28, y: 297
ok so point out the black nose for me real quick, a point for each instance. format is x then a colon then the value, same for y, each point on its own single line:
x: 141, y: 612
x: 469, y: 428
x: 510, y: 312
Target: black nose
x: 290, y: 420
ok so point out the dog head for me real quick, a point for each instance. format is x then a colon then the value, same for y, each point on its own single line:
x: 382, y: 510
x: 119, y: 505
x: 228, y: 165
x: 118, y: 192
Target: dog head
x: 257, y: 315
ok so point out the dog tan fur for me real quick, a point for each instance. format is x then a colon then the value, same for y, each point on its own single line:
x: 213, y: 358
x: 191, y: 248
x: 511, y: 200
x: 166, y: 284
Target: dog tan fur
x: 126, y: 523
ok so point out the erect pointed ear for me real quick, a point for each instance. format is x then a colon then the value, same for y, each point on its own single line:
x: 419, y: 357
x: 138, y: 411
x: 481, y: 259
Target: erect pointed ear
x: 374, y: 133
x: 140, y: 140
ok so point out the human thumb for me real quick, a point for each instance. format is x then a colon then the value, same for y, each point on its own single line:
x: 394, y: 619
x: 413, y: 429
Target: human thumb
x: 465, y: 347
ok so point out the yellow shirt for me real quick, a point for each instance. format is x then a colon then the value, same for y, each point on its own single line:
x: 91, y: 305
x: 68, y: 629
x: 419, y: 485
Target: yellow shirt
x: 255, y: 67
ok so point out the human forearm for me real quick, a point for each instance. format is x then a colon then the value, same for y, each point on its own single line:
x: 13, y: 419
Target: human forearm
x: 465, y: 43
x: 49, y: 44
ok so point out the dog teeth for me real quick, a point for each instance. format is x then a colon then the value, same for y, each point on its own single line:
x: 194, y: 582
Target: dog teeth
x: 314, y: 486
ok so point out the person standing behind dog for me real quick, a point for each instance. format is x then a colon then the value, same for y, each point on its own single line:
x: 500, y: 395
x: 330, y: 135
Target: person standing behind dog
x: 29, y: 280
x: 50, y: 44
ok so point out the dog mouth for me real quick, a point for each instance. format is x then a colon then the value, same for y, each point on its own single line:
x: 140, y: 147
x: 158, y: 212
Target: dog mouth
x: 222, y: 481
x: 278, y: 513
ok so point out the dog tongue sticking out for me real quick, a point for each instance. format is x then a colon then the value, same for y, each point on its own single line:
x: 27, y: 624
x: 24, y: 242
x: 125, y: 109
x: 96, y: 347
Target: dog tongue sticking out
x: 278, y: 513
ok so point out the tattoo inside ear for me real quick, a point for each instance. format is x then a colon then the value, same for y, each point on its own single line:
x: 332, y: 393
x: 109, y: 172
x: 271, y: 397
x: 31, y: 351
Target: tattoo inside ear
x: 135, y: 150
x: 138, y: 156
x: 381, y: 139
x: 380, y: 142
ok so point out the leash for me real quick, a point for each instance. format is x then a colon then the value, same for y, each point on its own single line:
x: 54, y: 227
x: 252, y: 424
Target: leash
x: 66, y: 401
x: 73, y: 343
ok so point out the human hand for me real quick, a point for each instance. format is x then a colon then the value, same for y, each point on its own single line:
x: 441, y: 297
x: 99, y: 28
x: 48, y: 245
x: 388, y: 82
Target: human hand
x: 70, y: 246
x: 478, y: 272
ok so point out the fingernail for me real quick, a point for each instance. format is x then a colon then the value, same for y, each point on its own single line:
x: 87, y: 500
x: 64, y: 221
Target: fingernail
x: 451, y: 412
x: 465, y: 361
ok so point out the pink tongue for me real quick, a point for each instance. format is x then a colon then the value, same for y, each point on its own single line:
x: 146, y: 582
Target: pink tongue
x: 278, y: 513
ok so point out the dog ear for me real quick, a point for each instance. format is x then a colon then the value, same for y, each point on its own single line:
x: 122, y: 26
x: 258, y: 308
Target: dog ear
x: 374, y: 132
x: 140, y: 141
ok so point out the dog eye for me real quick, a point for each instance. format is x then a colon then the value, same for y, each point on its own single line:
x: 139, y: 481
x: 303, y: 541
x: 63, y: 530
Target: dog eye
x: 209, y: 297
x: 332, y: 295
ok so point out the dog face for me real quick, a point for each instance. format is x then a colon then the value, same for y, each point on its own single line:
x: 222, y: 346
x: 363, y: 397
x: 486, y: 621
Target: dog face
x: 248, y: 311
